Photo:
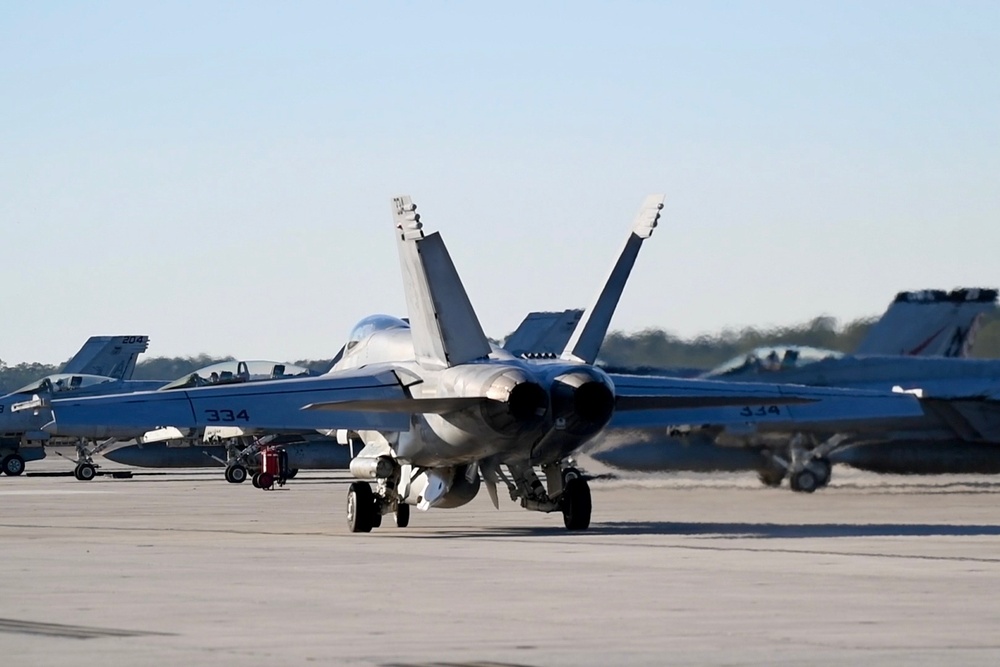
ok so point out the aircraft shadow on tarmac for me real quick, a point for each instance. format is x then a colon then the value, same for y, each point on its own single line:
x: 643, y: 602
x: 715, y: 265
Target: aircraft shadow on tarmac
x: 741, y: 530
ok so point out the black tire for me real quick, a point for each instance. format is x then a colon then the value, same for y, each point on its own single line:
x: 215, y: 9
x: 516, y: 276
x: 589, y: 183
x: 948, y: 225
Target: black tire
x: 255, y: 480
x: 823, y: 470
x: 12, y: 465
x: 771, y: 476
x: 576, y: 504
x: 292, y: 473
x: 402, y: 515
x: 85, y: 472
x: 360, y: 507
x: 236, y: 474
x: 804, y: 481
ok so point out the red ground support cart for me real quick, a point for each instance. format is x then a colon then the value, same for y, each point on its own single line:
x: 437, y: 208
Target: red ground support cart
x: 273, y: 468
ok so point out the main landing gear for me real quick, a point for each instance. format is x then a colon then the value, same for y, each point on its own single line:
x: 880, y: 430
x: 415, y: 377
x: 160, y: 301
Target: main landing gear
x: 806, y: 469
x: 236, y: 473
x: 86, y: 469
x: 12, y: 465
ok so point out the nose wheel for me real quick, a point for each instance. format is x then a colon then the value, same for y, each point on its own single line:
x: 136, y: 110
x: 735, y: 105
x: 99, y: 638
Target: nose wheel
x: 85, y: 472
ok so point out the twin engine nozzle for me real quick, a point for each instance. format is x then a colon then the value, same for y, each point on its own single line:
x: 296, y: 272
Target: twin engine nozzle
x: 579, y: 401
x: 583, y: 401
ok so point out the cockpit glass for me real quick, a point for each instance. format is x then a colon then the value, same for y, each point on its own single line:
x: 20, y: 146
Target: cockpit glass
x: 773, y: 358
x: 229, y: 372
x: 370, y: 325
x: 61, y: 382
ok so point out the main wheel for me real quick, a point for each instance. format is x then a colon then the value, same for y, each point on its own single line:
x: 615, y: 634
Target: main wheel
x: 255, y: 480
x: 576, y: 504
x: 402, y: 515
x: 85, y: 472
x: 771, y: 475
x: 236, y: 474
x: 12, y: 465
x: 822, y: 468
x: 292, y: 473
x: 360, y: 508
x: 804, y: 481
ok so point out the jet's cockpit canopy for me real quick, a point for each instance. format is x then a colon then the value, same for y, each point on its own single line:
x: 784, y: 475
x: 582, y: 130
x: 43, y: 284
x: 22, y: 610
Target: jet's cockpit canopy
x: 370, y: 325
x: 229, y: 372
x: 60, y: 382
x: 773, y: 358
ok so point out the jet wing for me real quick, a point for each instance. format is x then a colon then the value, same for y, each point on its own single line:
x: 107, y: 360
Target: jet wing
x: 653, y: 402
x: 264, y: 406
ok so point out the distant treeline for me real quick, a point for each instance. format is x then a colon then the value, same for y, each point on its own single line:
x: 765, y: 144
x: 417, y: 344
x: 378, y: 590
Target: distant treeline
x: 651, y: 348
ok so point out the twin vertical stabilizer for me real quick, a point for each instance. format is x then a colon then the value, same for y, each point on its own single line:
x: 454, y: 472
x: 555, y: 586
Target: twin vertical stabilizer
x: 446, y: 331
x: 589, y: 335
x: 111, y: 356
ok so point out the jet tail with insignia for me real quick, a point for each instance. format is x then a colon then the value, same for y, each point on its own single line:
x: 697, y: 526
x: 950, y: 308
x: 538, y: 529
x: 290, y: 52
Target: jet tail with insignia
x: 110, y: 356
x: 930, y: 323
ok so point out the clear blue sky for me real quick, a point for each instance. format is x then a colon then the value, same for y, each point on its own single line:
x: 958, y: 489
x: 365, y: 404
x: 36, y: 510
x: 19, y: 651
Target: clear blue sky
x: 218, y: 175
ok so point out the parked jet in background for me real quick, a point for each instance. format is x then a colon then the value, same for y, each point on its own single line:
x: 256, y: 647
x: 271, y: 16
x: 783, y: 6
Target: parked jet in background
x: 961, y: 398
x: 438, y: 411
x: 930, y: 323
x: 104, y: 365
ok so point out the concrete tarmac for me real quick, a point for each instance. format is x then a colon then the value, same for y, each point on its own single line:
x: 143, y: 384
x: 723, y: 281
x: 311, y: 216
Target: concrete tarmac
x: 183, y: 568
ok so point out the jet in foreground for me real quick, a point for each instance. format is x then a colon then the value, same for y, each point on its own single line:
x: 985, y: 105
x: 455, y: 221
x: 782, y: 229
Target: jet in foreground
x: 437, y: 411
x: 104, y: 365
x: 237, y: 449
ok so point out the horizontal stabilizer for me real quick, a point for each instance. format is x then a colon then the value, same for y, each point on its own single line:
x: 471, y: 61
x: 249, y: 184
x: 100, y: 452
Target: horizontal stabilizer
x: 658, y: 402
x: 269, y: 406
x: 676, y: 402
x: 409, y: 406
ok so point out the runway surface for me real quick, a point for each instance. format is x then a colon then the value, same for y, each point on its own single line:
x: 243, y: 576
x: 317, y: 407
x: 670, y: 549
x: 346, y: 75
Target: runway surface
x: 184, y: 568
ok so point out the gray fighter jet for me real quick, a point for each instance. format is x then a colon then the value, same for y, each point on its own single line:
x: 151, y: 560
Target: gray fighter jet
x: 960, y: 431
x: 237, y: 449
x: 437, y: 411
x: 104, y: 365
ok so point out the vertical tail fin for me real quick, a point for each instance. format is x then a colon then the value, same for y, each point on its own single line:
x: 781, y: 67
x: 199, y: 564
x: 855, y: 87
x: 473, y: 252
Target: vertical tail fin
x: 589, y: 334
x: 930, y: 323
x: 446, y: 331
x: 111, y: 356
x: 543, y: 334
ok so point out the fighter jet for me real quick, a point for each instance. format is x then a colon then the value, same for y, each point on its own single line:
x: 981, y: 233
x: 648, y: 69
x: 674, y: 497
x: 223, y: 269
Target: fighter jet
x: 437, y: 411
x: 104, y: 365
x: 237, y: 449
x: 233, y: 447
x: 960, y: 431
